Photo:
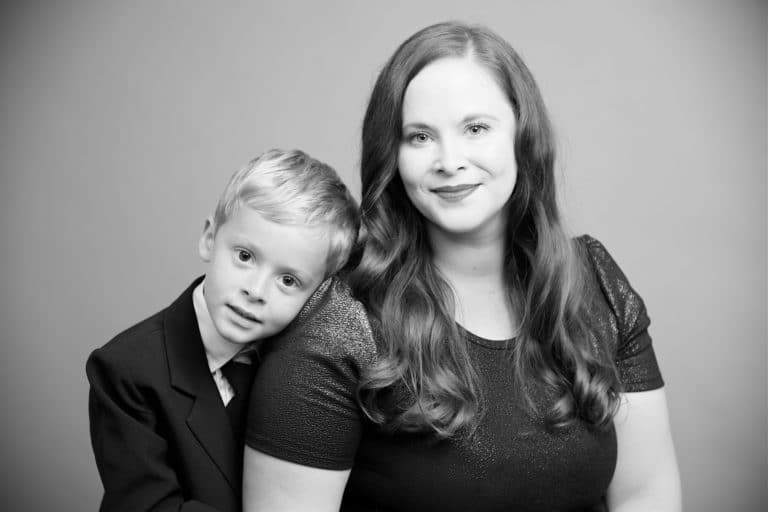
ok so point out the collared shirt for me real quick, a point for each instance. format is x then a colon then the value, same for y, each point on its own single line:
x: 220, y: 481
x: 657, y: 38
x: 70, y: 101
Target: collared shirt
x: 218, y: 351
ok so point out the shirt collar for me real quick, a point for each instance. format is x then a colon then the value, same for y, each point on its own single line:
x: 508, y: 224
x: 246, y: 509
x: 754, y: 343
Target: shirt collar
x: 218, y: 351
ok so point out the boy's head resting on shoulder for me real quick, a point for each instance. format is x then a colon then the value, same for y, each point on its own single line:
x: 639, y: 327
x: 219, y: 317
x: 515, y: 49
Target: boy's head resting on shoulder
x: 284, y: 223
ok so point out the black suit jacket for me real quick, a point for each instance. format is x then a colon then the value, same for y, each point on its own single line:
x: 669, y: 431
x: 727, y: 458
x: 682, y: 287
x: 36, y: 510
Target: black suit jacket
x: 160, y: 432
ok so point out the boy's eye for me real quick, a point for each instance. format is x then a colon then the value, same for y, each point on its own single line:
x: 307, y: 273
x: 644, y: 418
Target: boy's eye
x: 289, y: 281
x: 243, y: 256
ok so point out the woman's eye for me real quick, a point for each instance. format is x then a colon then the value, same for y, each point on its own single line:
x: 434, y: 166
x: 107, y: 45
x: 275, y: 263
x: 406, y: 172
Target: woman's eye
x: 244, y: 256
x: 289, y: 281
x: 477, y: 129
x: 418, y: 138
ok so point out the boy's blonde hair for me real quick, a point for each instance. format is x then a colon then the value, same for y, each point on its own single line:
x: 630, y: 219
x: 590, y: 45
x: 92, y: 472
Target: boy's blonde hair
x: 291, y: 187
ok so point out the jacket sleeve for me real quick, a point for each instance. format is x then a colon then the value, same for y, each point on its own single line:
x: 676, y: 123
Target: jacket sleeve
x: 131, y: 454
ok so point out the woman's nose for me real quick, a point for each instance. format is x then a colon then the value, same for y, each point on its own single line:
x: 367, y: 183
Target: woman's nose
x: 451, y: 158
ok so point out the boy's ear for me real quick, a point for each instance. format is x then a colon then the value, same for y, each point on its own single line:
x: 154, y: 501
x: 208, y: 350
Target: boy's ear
x: 205, y: 246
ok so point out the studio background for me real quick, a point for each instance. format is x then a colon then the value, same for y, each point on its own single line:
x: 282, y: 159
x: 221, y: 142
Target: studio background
x: 121, y: 121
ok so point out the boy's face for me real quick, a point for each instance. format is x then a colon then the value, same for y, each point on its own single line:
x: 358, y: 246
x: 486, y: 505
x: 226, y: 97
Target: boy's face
x: 260, y: 273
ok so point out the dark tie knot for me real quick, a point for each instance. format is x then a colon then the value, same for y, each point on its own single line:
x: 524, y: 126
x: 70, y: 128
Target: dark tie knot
x: 238, y: 375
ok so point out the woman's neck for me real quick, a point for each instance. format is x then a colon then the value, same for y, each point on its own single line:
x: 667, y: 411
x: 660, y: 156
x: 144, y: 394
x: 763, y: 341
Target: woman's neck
x: 474, y: 268
x: 468, y: 257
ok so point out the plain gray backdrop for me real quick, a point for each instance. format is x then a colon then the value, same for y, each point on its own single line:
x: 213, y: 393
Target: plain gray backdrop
x: 121, y: 121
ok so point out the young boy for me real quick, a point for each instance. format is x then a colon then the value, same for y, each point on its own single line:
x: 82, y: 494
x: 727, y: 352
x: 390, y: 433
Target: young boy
x: 168, y: 396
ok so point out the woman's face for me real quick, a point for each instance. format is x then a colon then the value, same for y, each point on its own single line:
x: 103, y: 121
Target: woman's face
x: 457, y: 155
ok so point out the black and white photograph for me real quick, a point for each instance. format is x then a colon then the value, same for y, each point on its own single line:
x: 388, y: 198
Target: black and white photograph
x: 384, y: 256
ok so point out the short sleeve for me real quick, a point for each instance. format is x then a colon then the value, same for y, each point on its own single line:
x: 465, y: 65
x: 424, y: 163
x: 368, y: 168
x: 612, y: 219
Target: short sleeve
x: 303, y: 406
x: 633, y: 350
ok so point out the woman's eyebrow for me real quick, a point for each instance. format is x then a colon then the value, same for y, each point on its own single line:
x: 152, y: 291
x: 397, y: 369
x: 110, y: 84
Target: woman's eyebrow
x: 416, y: 125
x: 420, y: 125
x: 478, y: 115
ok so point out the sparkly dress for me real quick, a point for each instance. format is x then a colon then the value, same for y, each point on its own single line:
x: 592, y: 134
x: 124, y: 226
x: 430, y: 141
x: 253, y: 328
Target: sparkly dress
x: 303, y: 410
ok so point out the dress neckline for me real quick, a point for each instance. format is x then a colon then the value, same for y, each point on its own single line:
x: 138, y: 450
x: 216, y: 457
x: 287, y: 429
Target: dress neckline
x: 503, y: 344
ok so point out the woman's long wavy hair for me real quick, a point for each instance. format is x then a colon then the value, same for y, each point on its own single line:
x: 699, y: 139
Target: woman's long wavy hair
x: 424, y: 379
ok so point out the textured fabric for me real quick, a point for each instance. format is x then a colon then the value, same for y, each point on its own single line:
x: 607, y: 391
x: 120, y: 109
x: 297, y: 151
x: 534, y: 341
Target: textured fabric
x: 303, y: 396
x: 303, y: 409
x: 624, y: 324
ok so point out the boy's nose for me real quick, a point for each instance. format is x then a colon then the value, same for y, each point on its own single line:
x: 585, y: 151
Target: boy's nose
x: 256, y: 287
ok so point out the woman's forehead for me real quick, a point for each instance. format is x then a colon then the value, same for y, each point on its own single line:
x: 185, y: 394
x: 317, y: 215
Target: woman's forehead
x: 452, y: 85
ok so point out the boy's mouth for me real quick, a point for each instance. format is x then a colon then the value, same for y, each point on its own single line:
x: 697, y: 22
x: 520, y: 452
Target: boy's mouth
x: 243, y: 313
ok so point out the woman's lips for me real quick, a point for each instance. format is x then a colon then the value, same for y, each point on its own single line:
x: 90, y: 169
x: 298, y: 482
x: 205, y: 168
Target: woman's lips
x: 454, y: 192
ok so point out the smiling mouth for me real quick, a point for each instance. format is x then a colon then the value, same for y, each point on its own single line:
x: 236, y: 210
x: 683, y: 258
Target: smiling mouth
x: 454, y: 192
x: 243, y: 313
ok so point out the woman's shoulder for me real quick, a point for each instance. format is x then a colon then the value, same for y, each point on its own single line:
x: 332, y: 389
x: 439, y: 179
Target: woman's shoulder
x: 332, y: 324
x: 614, y: 287
x: 619, y: 313
x: 609, y: 275
x: 596, y: 253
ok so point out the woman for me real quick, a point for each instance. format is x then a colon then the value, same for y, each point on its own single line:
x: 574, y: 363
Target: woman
x: 506, y: 366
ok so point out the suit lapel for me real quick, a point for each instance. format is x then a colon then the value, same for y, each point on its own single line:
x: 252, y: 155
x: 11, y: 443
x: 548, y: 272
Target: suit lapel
x: 189, y: 373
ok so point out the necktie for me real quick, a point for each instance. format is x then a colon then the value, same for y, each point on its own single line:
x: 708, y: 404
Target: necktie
x: 239, y: 376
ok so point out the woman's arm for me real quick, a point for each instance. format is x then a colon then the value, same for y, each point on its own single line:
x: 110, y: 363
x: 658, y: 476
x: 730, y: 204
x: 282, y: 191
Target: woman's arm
x: 646, y: 477
x: 274, y: 485
x: 304, y: 422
